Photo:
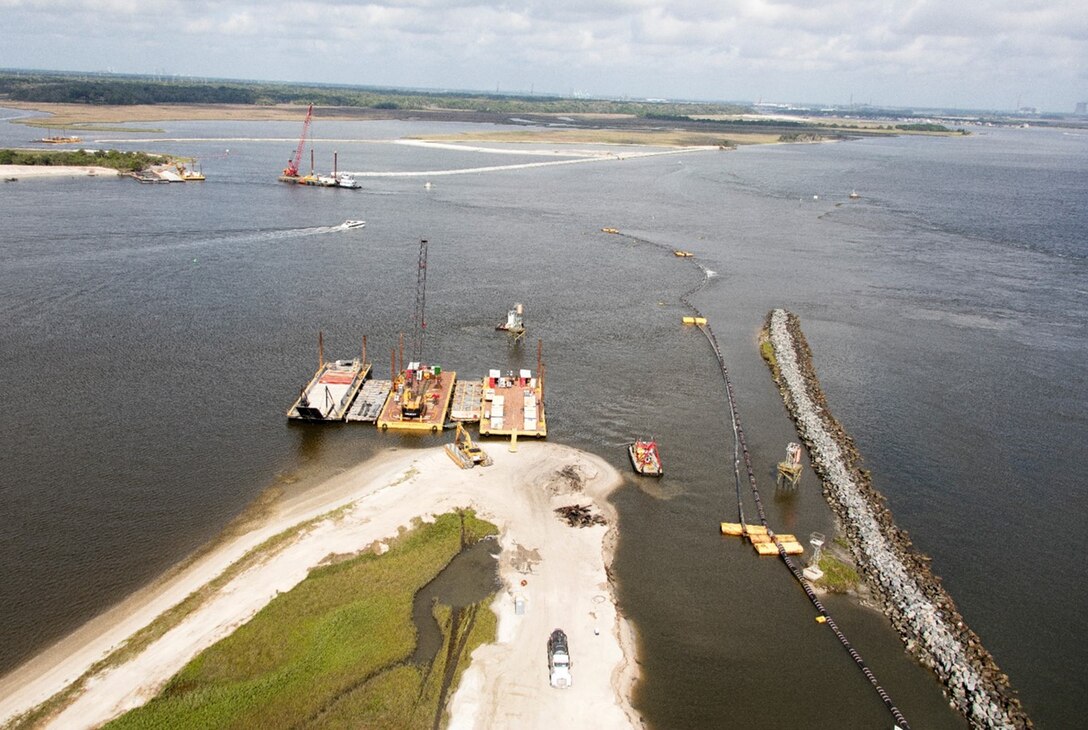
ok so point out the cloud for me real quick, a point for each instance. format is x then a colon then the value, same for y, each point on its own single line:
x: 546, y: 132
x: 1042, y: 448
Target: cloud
x: 650, y: 47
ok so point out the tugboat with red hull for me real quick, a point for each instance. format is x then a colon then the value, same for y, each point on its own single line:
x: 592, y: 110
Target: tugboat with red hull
x: 645, y: 458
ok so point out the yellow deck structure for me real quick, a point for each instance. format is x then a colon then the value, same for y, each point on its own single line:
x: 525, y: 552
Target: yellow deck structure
x: 761, y: 538
x: 437, y: 391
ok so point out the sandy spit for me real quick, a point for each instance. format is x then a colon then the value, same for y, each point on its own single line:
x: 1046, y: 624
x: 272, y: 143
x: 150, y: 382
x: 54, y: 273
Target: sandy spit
x: 560, y: 572
x: 28, y: 171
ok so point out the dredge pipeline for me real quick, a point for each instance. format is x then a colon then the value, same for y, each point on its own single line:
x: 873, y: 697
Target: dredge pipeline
x: 740, y: 443
x: 913, y: 599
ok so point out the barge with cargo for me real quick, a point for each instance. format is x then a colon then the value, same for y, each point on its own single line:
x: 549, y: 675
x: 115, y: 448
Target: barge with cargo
x: 332, y: 389
x: 419, y: 399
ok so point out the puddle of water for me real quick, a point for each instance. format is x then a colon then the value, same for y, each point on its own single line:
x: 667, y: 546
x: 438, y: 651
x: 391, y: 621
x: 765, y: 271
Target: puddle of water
x: 471, y: 577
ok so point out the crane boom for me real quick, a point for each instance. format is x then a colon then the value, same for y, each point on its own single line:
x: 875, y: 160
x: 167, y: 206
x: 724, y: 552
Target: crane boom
x: 292, y: 165
x: 421, y: 302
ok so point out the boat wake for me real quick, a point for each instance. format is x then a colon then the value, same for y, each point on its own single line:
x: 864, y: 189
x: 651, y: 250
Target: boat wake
x: 187, y: 242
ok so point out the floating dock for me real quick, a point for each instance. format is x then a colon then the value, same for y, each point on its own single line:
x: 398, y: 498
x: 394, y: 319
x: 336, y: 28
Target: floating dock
x: 427, y: 388
x: 762, y: 539
x: 468, y: 398
x: 513, y: 405
x: 330, y: 392
x: 370, y: 401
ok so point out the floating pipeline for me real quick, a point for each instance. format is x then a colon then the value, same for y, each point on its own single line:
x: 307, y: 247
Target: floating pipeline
x: 911, y: 595
x: 739, y: 447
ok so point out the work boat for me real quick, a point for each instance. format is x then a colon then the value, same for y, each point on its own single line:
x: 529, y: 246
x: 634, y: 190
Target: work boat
x: 645, y: 458
x: 347, y: 180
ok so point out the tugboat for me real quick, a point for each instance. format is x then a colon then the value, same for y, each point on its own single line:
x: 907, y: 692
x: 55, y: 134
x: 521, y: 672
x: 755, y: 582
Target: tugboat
x: 347, y: 180
x: 645, y: 459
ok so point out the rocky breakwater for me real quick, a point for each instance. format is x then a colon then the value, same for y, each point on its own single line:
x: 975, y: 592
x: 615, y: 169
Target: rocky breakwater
x: 911, y: 595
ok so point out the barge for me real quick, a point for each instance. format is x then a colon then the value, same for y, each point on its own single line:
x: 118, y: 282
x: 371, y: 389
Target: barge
x: 468, y: 398
x: 419, y: 400
x: 332, y: 389
x: 513, y: 405
x: 370, y: 401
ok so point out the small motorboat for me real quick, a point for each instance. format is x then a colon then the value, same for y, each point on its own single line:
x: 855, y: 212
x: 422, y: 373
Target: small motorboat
x: 353, y: 224
x: 645, y: 458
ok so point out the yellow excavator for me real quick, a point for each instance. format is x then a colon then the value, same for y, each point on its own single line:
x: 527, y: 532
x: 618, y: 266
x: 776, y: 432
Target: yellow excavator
x: 464, y: 452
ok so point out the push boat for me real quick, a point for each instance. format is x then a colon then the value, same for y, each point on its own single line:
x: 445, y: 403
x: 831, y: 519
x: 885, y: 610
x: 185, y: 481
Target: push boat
x: 347, y: 180
x: 645, y: 458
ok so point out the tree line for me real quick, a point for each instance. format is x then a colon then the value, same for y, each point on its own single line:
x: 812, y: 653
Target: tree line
x: 115, y: 159
x: 58, y: 88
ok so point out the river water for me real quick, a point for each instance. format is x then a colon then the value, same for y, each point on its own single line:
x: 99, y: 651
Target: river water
x: 153, y: 336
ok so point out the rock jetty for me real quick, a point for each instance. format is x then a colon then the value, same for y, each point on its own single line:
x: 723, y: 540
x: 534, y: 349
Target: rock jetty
x: 910, y: 594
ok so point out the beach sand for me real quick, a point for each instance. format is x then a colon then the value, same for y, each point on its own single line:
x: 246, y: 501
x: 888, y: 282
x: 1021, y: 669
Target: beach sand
x: 559, y: 571
x: 27, y: 171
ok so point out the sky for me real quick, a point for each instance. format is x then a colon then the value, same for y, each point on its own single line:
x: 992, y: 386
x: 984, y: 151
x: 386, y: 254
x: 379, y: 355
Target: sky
x: 971, y: 54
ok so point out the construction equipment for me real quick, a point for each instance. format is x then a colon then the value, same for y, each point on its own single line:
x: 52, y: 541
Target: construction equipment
x: 789, y: 471
x: 292, y: 165
x: 515, y: 322
x: 464, y: 452
x: 421, y: 302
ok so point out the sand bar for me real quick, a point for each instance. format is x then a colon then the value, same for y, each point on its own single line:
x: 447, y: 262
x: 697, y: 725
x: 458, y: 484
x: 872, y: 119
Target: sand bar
x: 28, y: 171
x: 563, y: 569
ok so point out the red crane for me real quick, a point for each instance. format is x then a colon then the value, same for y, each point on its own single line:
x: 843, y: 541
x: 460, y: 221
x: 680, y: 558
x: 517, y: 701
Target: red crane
x: 292, y: 165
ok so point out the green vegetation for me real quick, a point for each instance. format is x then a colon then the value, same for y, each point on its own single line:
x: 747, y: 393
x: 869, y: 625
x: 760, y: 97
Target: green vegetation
x: 115, y: 159
x: 166, y: 621
x: 838, y: 576
x: 129, y: 90
x: 800, y: 137
x: 766, y: 349
x: 927, y: 127
x: 335, y: 651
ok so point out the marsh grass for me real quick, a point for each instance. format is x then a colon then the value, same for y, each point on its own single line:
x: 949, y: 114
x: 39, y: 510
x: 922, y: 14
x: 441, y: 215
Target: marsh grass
x: 839, y: 577
x: 335, y: 650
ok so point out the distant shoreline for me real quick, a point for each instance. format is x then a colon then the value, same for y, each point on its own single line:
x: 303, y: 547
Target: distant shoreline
x: 579, y: 128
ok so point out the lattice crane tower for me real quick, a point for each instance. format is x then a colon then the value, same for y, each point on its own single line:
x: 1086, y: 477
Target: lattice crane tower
x: 421, y: 303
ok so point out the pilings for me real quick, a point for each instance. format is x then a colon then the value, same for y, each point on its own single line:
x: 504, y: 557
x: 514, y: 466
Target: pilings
x: 913, y: 599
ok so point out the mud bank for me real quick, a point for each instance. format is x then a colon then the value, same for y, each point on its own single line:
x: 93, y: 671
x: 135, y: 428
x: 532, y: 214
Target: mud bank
x: 910, y: 594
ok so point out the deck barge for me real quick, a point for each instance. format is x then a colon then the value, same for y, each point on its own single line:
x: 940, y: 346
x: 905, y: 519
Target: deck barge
x: 468, y: 398
x: 513, y: 405
x: 370, y: 401
x: 419, y: 400
x: 331, y: 391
